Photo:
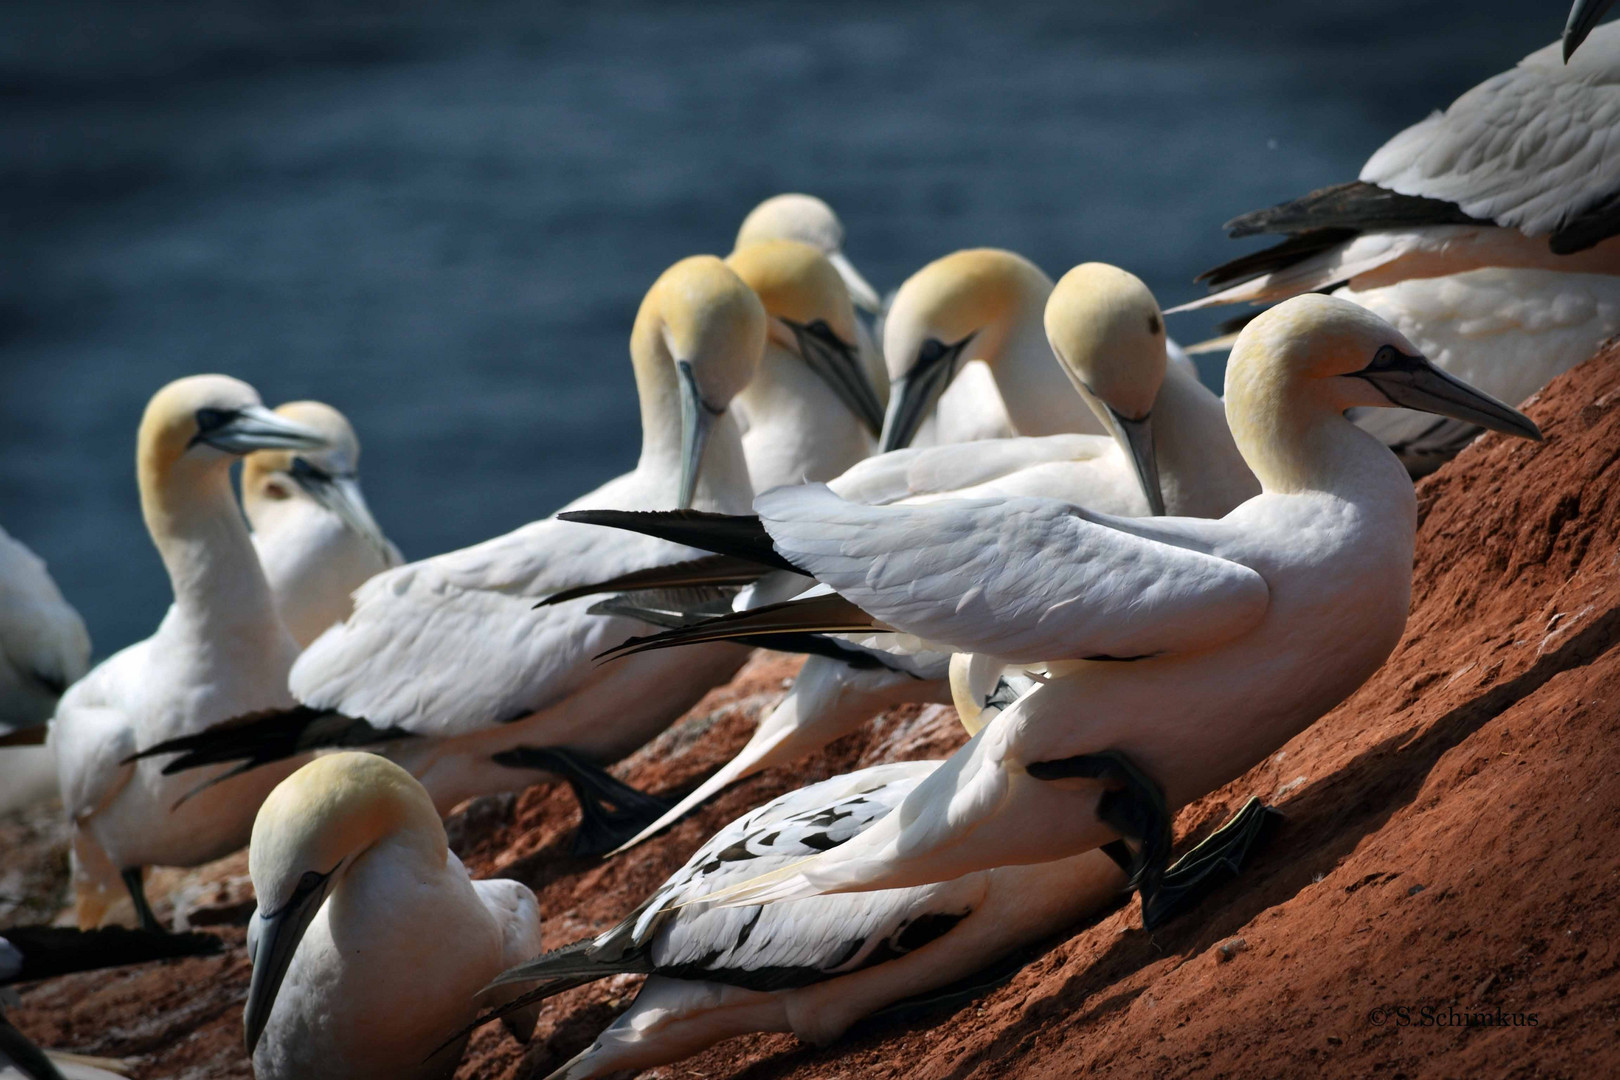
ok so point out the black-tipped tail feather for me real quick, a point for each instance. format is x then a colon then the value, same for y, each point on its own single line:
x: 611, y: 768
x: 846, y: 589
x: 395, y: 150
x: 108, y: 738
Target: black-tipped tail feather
x: 709, y: 571
x: 738, y: 535
x: 826, y: 614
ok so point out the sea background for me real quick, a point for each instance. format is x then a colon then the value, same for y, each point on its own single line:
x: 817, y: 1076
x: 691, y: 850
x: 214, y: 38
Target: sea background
x: 441, y: 218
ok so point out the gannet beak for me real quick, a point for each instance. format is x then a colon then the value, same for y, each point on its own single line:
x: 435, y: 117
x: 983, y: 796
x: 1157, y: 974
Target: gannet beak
x: 241, y: 431
x: 341, y: 495
x: 1138, y: 435
x: 840, y: 368
x: 1583, y: 16
x: 860, y: 290
x: 697, y: 420
x: 271, y: 945
x: 913, y: 394
x: 1413, y: 382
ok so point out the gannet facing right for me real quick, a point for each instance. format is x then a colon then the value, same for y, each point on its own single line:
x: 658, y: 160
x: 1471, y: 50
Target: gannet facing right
x: 370, y: 943
x: 314, y: 534
x: 809, y: 220
x: 1486, y: 233
x: 219, y: 652
x: 1240, y: 632
x: 449, y: 665
x: 809, y: 412
x: 811, y: 968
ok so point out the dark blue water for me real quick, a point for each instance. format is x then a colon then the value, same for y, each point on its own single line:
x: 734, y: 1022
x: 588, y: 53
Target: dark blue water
x: 441, y: 219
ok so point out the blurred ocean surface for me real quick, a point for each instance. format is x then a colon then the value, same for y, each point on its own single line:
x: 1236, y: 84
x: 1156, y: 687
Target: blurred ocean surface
x: 441, y: 218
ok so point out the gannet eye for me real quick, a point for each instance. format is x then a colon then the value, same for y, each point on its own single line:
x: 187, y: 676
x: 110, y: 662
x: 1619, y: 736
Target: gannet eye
x: 303, y: 470
x: 1385, y: 356
x: 310, y: 881
x: 931, y: 351
x: 213, y: 419
x: 1154, y: 325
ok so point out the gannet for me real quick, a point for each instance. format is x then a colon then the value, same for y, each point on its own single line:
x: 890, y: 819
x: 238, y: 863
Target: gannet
x: 315, y: 536
x: 808, y: 220
x: 370, y: 942
x: 1169, y: 451
x: 1583, y: 16
x: 449, y: 664
x: 1240, y: 631
x: 31, y: 953
x: 809, y: 413
x: 812, y: 968
x: 219, y: 652
x: 1486, y: 233
x: 44, y: 646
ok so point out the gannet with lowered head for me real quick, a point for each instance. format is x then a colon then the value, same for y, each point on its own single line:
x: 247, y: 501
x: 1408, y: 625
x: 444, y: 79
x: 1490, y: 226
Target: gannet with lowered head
x: 314, y: 534
x: 1170, y: 451
x: 812, y: 968
x: 370, y: 943
x: 809, y: 413
x: 1241, y: 631
x: 1486, y: 233
x: 809, y: 220
x: 450, y: 666
x: 219, y: 652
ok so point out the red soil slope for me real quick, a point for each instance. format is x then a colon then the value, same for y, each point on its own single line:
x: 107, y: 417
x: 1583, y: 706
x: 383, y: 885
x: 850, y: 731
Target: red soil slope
x: 1442, y: 900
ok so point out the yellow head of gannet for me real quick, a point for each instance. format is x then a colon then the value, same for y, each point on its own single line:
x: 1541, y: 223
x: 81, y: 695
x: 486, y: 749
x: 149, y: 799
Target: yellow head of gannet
x: 971, y: 299
x: 697, y: 342
x: 308, y: 833
x: 193, y: 428
x: 329, y: 476
x: 1314, y: 355
x: 1106, y: 329
x: 808, y: 220
x: 809, y: 313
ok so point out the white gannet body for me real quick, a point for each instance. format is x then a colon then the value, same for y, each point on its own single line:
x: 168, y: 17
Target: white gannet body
x: 811, y: 968
x: 370, y: 944
x: 1489, y: 227
x: 1169, y: 451
x: 314, y: 534
x: 1242, y: 630
x: 808, y: 220
x: 44, y: 647
x: 219, y: 652
x: 809, y: 413
x: 452, y: 660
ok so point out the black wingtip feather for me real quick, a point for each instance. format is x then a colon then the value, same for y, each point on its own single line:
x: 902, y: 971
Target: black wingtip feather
x: 739, y: 535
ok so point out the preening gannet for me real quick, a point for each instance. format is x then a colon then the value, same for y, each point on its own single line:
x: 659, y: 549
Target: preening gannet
x: 808, y: 220
x: 449, y: 665
x: 812, y: 968
x: 370, y: 943
x: 1170, y: 450
x: 809, y: 413
x: 1241, y: 631
x: 314, y: 534
x: 31, y: 953
x: 1485, y: 233
x: 219, y: 652
x: 976, y: 305
x: 44, y: 646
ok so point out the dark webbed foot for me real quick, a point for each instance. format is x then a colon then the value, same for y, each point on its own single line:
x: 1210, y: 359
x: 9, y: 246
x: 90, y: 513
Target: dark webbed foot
x: 137, y: 893
x: 611, y: 811
x: 1135, y: 807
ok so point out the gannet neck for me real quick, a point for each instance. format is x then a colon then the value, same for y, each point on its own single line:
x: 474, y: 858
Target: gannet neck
x: 200, y: 535
x: 1200, y: 470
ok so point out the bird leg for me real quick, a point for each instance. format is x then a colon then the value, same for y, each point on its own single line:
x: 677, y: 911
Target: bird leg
x: 137, y: 893
x: 1134, y: 806
x: 611, y: 811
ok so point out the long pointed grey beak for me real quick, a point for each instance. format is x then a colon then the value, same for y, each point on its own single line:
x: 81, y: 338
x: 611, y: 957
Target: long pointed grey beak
x: 840, y: 368
x: 272, y: 941
x: 1138, y: 438
x: 913, y: 395
x: 254, y: 427
x: 341, y: 495
x: 697, y: 420
x: 1583, y: 16
x: 1413, y: 382
x: 860, y: 290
